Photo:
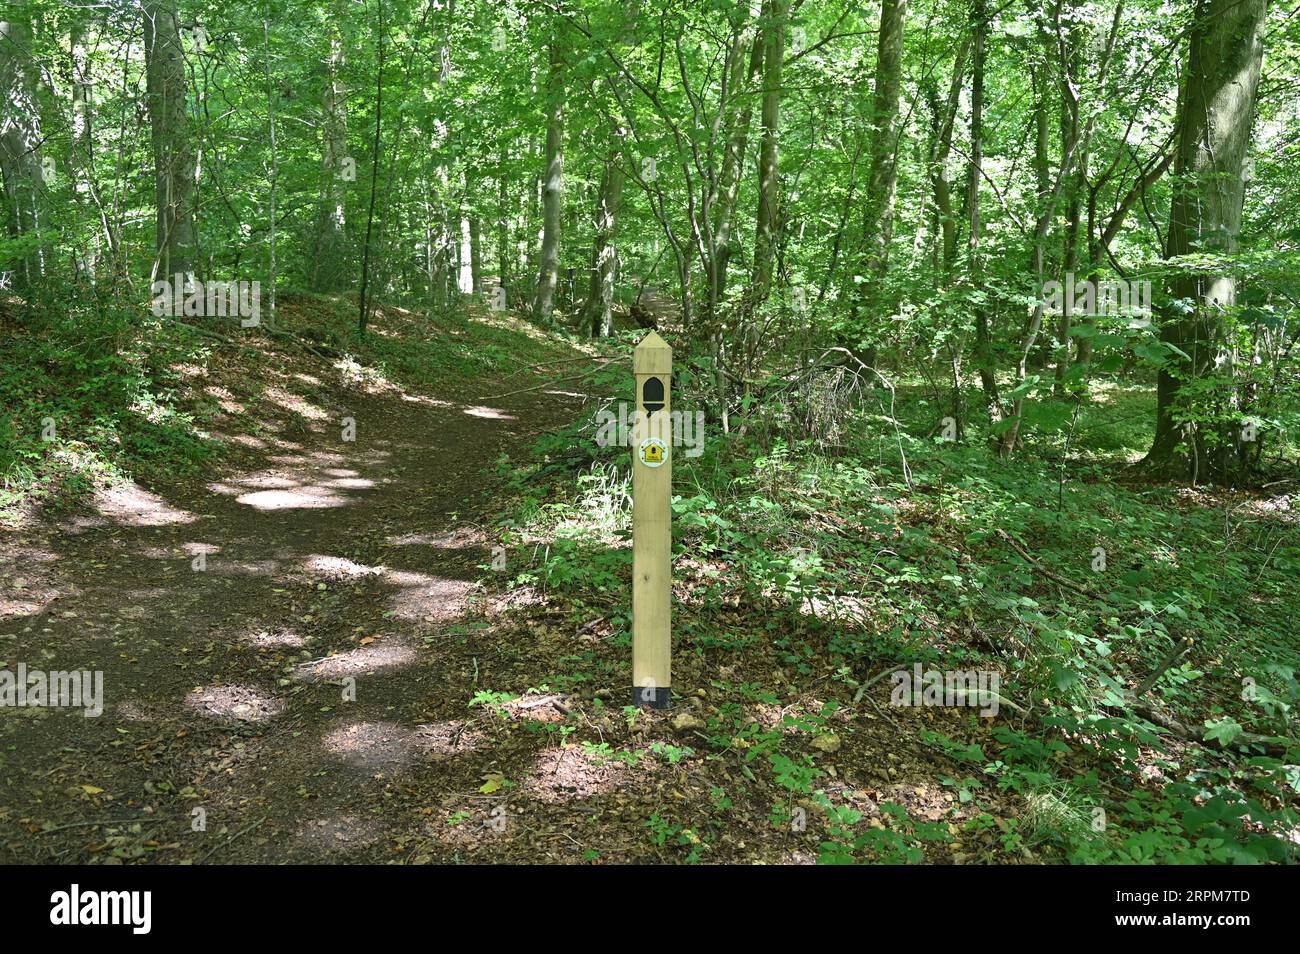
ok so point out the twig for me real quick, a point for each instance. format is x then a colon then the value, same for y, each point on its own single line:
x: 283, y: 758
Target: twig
x: 1189, y: 734
x: 205, y: 332
x: 1180, y: 646
x: 290, y: 336
x: 231, y: 840
x: 97, y: 824
x: 544, y: 384
x: 1063, y: 581
x: 862, y: 689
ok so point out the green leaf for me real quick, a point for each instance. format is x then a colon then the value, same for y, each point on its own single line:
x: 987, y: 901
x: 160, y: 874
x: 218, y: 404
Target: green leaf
x: 1224, y: 730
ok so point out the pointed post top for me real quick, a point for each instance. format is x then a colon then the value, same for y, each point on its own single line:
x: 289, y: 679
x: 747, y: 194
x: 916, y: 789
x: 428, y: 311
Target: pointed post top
x: 652, y: 356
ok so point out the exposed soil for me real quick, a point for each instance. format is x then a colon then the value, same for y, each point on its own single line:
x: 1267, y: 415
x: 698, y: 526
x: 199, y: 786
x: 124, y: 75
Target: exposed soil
x: 321, y: 560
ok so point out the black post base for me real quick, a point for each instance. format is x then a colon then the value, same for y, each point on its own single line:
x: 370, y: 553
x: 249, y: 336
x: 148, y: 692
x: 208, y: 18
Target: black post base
x: 658, y: 697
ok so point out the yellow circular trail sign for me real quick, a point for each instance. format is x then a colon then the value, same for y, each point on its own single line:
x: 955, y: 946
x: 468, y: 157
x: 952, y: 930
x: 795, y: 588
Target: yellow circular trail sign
x: 653, y: 452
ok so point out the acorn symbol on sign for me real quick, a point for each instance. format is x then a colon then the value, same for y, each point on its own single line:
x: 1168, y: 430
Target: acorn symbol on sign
x: 652, y: 395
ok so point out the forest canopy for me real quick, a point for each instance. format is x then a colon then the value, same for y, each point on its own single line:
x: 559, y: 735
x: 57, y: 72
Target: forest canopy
x: 1034, y: 197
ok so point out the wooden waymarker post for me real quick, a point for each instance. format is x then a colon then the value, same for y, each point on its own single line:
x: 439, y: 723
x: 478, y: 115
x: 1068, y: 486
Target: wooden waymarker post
x: 652, y: 533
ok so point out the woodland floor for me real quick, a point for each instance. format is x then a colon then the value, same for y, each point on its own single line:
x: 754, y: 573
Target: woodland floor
x: 327, y: 559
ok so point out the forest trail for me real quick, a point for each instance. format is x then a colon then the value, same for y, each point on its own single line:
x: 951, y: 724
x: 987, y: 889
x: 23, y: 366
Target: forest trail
x: 301, y: 664
x: 323, y: 559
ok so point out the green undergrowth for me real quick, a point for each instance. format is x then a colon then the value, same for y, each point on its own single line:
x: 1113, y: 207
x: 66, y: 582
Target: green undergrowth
x: 461, y: 348
x: 92, y: 392
x: 1055, y: 572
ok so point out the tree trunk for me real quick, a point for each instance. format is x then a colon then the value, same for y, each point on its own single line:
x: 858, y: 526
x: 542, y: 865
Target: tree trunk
x: 769, y: 172
x: 878, y: 217
x: 82, y: 152
x: 1218, y: 107
x: 327, y: 272
x: 553, y: 187
x: 598, y: 311
x: 20, y: 141
x: 983, y: 343
x: 363, y: 297
x: 733, y: 167
x: 1049, y: 195
x: 274, y: 177
x: 172, y: 153
x: 504, y: 256
x: 475, y: 253
x: 945, y: 118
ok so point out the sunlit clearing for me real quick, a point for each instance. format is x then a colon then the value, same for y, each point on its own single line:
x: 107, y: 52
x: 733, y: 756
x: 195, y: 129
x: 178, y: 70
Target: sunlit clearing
x: 279, y: 639
x: 297, y: 404
x: 425, y: 597
x: 562, y: 774
x: 444, y: 539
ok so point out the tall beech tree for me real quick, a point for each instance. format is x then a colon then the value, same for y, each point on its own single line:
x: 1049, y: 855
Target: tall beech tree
x: 598, y: 312
x: 768, y: 221
x: 1216, y: 114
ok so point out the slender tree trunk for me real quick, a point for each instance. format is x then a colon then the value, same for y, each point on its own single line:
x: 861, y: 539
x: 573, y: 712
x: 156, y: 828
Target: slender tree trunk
x: 20, y: 141
x: 769, y: 171
x: 1069, y: 132
x: 1070, y: 265
x: 733, y: 167
x: 327, y: 272
x: 82, y: 151
x: 945, y: 230
x: 475, y: 252
x: 945, y: 118
x: 553, y: 186
x: 172, y: 152
x: 364, y: 295
x: 504, y: 256
x: 983, y: 343
x: 274, y: 177
x: 1047, y: 196
x: 878, y: 216
x: 598, y: 312
x: 451, y: 237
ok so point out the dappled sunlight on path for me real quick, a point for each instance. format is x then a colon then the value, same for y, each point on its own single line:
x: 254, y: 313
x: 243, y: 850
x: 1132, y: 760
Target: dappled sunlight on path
x: 266, y: 628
